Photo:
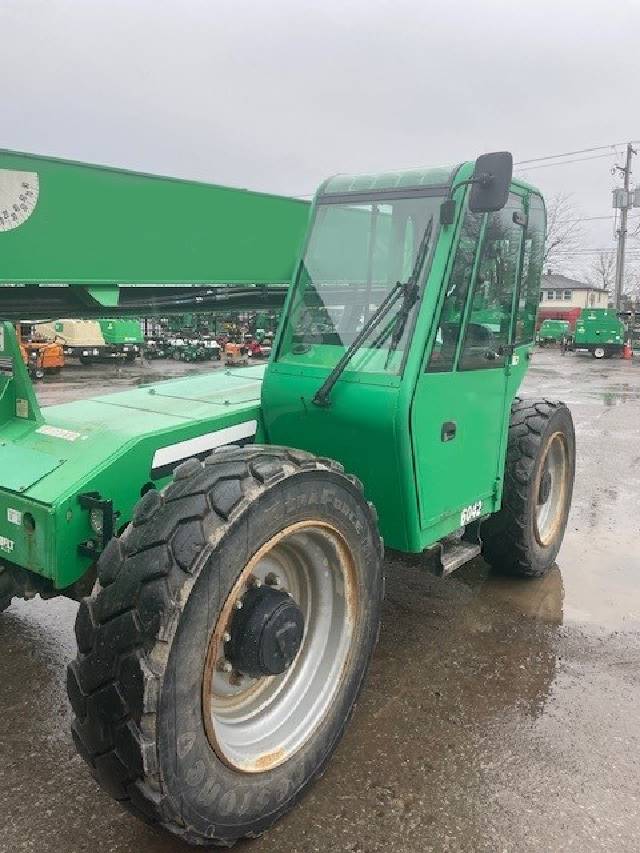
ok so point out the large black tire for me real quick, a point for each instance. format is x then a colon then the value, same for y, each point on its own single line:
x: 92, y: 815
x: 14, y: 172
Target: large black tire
x: 136, y: 686
x: 514, y: 541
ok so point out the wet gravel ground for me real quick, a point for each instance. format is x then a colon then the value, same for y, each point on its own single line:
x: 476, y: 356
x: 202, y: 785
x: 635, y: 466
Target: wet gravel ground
x: 499, y: 715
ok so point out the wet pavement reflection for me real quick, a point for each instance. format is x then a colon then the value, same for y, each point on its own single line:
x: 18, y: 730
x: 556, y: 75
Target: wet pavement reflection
x: 499, y: 715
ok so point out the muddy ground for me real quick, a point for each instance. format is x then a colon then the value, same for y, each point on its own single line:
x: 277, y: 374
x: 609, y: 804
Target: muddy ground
x: 499, y: 715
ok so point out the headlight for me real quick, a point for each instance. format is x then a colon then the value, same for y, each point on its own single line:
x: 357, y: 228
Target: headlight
x: 96, y: 519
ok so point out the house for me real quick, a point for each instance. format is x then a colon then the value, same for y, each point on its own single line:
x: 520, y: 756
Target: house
x: 562, y: 298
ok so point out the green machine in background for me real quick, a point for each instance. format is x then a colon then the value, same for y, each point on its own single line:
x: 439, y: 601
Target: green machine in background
x: 554, y: 332
x: 234, y: 523
x: 600, y: 331
x: 124, y: 334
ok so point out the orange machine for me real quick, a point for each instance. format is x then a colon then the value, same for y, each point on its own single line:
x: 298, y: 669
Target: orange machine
x: 236, y: 354
x: 42, y: 358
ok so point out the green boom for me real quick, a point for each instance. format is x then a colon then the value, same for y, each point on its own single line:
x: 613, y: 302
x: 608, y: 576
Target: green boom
x: 89, y: 237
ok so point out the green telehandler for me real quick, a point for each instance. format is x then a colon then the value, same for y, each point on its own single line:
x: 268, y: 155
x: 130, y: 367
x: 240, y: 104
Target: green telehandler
x: 225, y: 532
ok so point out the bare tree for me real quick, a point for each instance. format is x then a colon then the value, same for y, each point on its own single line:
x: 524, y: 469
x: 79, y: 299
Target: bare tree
x: 564, y: 234
x: 602, y: 272
x: 632, y: 283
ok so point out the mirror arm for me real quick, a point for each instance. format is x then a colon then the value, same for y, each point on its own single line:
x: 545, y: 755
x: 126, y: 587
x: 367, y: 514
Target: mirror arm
x: 447, y: 211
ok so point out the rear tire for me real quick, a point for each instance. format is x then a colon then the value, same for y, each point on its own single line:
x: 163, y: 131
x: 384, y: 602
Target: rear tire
x: 157, y: 716
x: 524, y: 537
x: 598, y: 352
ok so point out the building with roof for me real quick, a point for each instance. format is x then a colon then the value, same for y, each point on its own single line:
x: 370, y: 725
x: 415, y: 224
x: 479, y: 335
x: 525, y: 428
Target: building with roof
x: 562, y: 298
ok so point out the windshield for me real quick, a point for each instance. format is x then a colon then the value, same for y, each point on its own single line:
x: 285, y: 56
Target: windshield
x: 357, y: 252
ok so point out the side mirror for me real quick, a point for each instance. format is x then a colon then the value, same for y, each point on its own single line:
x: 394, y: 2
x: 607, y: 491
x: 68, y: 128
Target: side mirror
x: 490, y: 182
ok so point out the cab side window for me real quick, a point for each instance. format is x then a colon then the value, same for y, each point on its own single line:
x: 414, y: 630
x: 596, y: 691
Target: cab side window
x: 531, y: 272
x: 444, y: 348
x: 488, y: 328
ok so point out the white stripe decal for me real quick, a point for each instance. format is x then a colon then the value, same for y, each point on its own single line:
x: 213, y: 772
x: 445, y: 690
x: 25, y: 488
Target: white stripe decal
x: 193, y: 446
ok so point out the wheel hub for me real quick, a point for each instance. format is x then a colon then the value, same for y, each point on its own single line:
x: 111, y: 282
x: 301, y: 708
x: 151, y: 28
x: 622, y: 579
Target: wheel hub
x: 266, y: 633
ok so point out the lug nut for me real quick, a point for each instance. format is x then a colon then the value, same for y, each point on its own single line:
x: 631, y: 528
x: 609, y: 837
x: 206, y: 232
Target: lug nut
x: 225, y: 666
x: 238, y: 604
x: 235, y: 678
x: 272, y: 579
x: 226, y: 637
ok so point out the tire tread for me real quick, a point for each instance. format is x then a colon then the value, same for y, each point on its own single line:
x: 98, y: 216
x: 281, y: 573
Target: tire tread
x: 124, y: 627
x: 504, y: 542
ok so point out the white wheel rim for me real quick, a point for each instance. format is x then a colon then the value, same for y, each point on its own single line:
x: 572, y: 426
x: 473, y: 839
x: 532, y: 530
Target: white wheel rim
x: 550, y: 496
x: 256, y: 724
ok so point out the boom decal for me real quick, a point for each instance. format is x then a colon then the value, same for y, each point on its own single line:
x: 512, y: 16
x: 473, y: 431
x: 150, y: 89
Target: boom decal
x: 167, y: 457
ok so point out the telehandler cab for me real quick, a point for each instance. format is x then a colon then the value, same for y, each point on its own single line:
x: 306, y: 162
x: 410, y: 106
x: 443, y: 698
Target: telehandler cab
x: 236, y: 608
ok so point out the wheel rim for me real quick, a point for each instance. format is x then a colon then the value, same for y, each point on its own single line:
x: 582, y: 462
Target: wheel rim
x: 551, y: 489
x: 598, y: 352
x: 257, y: 723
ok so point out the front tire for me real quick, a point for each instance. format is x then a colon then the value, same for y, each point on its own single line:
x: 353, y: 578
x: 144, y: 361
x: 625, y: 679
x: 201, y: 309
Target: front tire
x: 212, y: 750
x: 524, y: 537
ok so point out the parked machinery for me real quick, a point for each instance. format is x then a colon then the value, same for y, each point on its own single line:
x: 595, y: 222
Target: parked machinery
x: 599, y: 331
x: 554, y: 332
x: 124, y: 336
x: 42, y: 358
x: 236, y: 354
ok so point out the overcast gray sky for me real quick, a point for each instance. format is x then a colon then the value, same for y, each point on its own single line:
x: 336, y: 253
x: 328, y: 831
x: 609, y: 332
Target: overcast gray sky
x: 278, y: 94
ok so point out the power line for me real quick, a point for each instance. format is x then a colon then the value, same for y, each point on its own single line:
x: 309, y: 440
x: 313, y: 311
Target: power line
x: 571, y: 153
x: 567, y: 162
x: 609, y: 250
x: 592, y: 218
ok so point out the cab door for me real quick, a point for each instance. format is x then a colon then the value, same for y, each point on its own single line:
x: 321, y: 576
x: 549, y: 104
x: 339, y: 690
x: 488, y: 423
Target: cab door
x: 459, y: 411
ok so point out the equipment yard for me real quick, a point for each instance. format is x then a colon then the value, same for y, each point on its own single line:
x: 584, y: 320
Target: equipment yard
x: 499, y: 714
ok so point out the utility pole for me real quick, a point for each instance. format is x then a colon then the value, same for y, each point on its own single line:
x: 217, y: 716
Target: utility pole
x: 622, y: 231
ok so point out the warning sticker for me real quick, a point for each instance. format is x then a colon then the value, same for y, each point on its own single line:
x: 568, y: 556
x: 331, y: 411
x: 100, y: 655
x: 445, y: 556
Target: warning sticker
x: 22, y: 408
x: 6, y: 545
x: 1, y: 338
x: 57, y: 432
x: 14, y: 516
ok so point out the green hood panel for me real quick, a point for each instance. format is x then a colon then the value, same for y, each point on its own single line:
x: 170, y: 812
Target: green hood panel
x: 85, y: 436
x: 23, y: 467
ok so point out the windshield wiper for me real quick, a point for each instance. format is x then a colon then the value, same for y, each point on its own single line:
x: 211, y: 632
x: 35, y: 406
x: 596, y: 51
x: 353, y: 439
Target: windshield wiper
x: 409, y: 291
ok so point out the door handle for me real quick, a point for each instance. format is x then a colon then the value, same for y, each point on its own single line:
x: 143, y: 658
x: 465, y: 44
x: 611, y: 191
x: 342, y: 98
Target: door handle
x: 448, y: 431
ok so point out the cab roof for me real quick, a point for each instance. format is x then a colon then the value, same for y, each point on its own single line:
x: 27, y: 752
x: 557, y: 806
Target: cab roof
x: 436, y: 178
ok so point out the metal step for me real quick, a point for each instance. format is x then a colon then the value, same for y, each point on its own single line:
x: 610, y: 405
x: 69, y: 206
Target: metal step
x: 455, y: 553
